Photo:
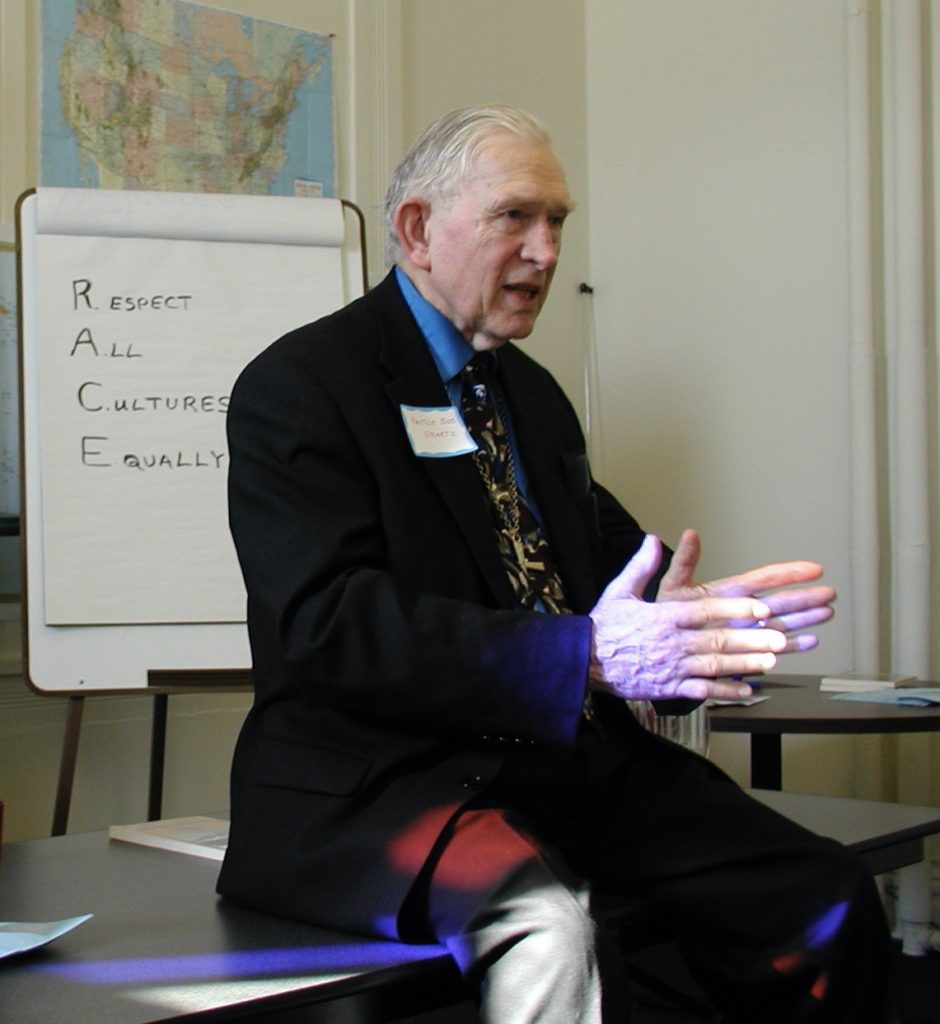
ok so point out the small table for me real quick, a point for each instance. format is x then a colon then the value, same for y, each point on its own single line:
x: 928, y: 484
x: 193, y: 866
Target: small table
x: 796, y: 705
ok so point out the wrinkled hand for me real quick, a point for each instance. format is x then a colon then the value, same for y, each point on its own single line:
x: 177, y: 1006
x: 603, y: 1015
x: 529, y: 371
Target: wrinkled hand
x: 694, y: 634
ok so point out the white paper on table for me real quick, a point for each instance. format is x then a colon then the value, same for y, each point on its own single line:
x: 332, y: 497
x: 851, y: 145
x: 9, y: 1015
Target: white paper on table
x: 22, y: 936
x: 734, y: 702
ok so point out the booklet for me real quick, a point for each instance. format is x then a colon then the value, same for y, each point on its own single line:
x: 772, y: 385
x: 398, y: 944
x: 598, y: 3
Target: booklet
x: 198, y: 836
x: 853, y: 682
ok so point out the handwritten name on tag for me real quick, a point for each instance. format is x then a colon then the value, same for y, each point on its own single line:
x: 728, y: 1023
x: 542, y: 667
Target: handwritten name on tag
x: 436, y: 432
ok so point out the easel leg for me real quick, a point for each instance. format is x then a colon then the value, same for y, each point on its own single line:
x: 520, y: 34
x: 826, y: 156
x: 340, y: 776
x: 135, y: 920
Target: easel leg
x: 157, y: 757
x: 63, y: 797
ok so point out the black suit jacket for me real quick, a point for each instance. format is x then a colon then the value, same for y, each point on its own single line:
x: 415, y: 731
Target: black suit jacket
x: 394, y: 671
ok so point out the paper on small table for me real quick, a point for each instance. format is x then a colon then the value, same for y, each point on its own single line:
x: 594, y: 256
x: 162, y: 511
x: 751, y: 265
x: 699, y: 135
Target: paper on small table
x: 22, y: 936
x: 742, y: 702
x: 906, y: 697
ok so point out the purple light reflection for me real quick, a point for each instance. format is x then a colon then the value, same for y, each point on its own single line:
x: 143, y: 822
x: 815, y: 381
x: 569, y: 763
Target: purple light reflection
x: 823, y: 929
x: 252, y: 963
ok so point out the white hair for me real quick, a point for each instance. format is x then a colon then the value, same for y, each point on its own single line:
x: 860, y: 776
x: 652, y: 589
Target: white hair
x: 442, y: 157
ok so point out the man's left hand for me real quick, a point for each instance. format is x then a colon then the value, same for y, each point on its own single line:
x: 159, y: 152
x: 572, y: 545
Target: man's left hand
x: 794, y: 608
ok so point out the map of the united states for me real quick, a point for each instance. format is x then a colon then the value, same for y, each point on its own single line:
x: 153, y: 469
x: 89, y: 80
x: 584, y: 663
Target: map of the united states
x: 170, y: 95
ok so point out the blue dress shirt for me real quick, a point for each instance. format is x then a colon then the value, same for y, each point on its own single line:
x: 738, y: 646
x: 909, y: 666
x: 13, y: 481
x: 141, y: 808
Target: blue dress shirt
x: 451, y: 352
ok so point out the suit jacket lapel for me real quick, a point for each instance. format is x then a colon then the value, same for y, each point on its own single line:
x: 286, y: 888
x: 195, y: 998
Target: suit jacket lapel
x: 415, y: 381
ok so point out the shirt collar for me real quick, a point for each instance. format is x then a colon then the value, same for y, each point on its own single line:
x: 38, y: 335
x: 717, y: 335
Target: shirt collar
x: 449, y: 349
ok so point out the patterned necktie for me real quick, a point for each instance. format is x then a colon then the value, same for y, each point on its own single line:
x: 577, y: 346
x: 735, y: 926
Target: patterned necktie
x: 522, y: 544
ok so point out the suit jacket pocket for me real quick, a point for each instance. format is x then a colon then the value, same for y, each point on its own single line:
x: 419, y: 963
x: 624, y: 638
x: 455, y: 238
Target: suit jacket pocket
x: 311, y: 769
x: 577, y: 473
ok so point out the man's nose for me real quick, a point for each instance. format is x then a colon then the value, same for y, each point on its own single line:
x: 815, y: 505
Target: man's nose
x: 542, y: 244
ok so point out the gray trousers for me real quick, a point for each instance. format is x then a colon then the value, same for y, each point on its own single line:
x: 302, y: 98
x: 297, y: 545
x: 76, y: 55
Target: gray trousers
x: 529, y: 946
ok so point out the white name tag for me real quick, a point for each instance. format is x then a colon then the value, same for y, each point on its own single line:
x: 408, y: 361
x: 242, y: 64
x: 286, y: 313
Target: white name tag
x: 436, y: 432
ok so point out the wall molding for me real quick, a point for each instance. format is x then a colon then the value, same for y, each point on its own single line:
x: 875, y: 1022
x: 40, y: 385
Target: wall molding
x: 376, y: 102
x: 13, y: 88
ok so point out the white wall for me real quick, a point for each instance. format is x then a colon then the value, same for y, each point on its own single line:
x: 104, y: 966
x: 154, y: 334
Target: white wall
x: 748, y: 273
x: 531, y: 54
x: 718, y: 228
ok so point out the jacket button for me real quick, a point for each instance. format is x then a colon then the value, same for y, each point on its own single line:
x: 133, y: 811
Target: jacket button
x: 472, y: 782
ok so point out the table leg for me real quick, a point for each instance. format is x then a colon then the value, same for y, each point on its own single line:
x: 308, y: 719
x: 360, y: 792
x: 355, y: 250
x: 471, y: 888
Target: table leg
x: 913, y: 917
x: 766, y: 761
x: 157, y: 757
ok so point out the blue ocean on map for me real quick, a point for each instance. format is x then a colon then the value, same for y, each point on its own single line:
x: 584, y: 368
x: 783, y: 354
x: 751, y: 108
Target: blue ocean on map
x: 309, y: 156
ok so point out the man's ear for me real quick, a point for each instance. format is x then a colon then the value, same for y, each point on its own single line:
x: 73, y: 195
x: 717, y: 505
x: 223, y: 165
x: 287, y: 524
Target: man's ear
x: 411, y: 226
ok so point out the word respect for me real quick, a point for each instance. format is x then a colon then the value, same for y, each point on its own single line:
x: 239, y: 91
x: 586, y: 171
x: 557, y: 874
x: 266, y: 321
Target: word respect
x: 81, y: 290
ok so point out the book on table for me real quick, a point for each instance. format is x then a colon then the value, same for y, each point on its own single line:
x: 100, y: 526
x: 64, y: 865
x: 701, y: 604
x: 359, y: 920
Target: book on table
x: 857, y: 682
x: 198, y: 835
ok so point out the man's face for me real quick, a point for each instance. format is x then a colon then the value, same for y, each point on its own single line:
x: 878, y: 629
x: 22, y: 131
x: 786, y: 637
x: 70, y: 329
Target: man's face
x: 493, y: 247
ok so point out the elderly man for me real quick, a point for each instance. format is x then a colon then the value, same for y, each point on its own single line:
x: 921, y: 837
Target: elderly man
x: 446, y: 613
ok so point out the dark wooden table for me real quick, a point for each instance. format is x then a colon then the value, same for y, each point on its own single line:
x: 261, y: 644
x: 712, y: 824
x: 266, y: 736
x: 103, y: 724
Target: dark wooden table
x: 796, y: 705
x: 161, y: 946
